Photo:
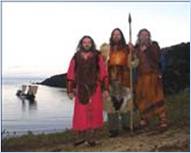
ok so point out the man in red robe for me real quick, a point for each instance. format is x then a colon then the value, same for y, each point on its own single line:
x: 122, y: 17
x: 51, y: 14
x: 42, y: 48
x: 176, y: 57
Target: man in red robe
x: 86, y: 75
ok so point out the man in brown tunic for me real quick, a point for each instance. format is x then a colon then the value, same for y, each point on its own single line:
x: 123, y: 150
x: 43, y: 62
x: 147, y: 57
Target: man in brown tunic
x: 117, y: 105
x: 149, y: 90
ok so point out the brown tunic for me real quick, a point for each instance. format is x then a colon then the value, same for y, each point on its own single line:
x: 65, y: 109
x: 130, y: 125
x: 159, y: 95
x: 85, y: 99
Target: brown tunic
x: 149, y: 89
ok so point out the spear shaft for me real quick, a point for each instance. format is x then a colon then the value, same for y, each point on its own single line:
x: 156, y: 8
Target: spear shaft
x: 131, y: 75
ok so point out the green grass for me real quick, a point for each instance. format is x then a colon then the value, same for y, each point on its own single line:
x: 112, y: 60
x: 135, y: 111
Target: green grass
x: 31, y: 142
x: 179, y: 108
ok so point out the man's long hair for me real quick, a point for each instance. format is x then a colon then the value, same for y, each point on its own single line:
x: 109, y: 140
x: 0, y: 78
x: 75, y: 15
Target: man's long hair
x: 138, y: 42
x: 122, y: 43
x: 80, y: 47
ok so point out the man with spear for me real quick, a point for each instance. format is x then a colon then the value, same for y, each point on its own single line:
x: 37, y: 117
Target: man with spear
x: 119, y: 103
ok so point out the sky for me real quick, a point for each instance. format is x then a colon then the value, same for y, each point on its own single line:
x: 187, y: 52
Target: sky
x: 40, y: 38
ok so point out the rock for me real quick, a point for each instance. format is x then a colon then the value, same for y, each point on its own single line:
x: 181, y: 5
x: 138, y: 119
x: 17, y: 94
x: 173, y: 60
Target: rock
x: 175, y: 66
x: 55, y: 81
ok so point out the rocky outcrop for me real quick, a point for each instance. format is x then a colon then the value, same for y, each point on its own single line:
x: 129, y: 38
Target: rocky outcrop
x: 55, y: 81
x: 175, y: 66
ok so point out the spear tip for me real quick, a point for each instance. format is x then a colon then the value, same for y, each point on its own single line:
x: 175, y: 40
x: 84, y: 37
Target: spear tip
x: 129, y: 17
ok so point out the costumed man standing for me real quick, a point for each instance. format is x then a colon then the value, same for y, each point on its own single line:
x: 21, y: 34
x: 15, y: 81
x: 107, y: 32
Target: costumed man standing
x: 117, y: 104
x: 149, y: 90
x: 86, y: 74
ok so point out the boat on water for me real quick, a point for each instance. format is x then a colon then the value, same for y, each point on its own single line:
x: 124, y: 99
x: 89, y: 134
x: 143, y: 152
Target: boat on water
x: 27, y: 92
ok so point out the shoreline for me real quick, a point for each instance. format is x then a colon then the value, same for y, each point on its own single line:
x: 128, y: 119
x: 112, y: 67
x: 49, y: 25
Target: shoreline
x: 16, y: 134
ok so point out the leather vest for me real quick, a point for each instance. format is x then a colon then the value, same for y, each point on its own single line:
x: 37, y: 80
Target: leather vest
x: 118, y: 58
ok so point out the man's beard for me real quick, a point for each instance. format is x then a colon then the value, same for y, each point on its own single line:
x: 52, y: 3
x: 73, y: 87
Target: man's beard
x: 116, y: 41
x: 145, y: 42
x: 86, y: 48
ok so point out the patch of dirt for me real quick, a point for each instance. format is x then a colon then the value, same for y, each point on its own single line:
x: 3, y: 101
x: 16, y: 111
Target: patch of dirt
x: 176, y: 139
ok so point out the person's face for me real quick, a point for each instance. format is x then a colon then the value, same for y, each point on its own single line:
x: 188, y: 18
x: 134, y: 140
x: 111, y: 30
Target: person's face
x: 116, y: 36
x: 86, y: 44
x: 144, y: 36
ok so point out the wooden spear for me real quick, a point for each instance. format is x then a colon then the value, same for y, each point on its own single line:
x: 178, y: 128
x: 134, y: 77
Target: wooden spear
x: 131, y: 76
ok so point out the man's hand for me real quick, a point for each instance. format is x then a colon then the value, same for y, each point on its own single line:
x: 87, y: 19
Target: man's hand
x: 131, y: 47
x: 105, y: 94
x: 143, y: 48
x: 71, y: 95
x: 160, y: 76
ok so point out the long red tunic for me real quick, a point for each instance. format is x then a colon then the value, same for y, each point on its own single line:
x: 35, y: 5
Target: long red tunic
x: 88, y: 116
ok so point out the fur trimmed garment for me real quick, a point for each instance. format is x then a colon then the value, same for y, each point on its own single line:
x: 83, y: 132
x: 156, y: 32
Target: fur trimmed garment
x: 89, y: 115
